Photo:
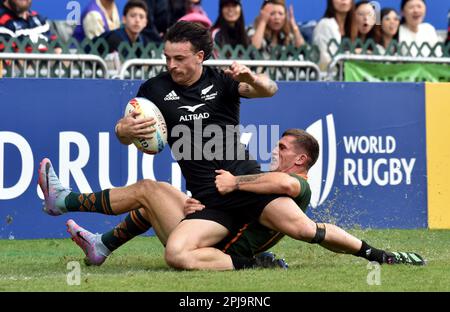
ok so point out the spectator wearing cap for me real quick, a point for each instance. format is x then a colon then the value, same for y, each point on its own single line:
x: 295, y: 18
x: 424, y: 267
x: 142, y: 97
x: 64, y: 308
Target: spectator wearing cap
x: 229, y: 28
x: 98, y: 17
x: 275, y: 26
x: 18, y: 21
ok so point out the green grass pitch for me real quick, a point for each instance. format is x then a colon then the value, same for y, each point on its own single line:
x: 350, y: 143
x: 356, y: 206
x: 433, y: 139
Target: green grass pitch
x: 41, y: 265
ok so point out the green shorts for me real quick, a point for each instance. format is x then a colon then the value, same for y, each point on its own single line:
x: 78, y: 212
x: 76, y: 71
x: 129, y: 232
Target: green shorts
x: 250, y: 240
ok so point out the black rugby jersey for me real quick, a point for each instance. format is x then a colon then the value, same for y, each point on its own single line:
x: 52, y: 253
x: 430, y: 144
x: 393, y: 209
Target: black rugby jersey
x: 196, y: 116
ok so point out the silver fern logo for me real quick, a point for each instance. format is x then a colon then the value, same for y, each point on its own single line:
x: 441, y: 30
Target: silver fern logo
x: 321, y: 185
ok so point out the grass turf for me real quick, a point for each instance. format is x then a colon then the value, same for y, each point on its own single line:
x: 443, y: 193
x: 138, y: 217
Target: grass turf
x: 41, y: 265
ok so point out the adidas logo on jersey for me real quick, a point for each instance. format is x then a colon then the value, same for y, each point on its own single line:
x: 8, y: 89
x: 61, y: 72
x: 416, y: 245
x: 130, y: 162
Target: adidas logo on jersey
x: 172, y: 96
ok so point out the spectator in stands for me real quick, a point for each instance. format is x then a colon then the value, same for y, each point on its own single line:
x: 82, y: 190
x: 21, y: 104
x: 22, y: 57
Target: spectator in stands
x: 98, y: 17
x: 177, y: 9
x: 414, y: 30
x: 388, y: 39
x: 19, y: 22
x: 273, y: 27
x: 229, y: 27
x: 448, y: 33
x: 195, y: 13
x: 134, y: 21
x: 335, y: 24
x: 158, y: 16
x: 364, y: 28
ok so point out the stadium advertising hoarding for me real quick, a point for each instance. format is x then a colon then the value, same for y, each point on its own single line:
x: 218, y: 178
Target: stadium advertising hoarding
x: 357, y: 71
x: 438, y: 154
x: 371, y: 172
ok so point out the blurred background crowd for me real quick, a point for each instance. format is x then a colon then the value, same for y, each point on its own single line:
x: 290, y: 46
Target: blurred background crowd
x: 361, y: 27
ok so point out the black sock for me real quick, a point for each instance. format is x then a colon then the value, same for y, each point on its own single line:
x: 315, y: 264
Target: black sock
x: 240, y: 263
x: 133, y: 225
x: 370, y: 253
x: 89, y: 202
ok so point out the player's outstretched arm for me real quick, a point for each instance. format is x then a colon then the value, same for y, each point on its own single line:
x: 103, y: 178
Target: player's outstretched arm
x: 263, y: 183
x: 130, y: 127
x: 251, y: 85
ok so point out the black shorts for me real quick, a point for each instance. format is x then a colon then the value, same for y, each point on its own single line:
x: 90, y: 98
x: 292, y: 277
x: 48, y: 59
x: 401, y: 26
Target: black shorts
x: 233, y: 210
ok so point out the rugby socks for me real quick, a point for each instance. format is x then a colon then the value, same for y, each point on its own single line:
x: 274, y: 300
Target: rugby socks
x: 241, y: 263
x: 370, y: 253
x: 89, y: 202
x: 133, y: 225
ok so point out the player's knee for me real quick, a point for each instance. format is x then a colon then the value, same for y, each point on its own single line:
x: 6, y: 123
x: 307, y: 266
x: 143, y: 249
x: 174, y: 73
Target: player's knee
x: 305, y: 232
x: 177, y: 257
x: 146, y: 186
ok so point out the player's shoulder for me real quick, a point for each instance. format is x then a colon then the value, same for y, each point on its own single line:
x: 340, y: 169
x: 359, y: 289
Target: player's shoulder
x: 153, y: 82
x: 215, y: 73
x: 302, y: 180
x: 222, y: 80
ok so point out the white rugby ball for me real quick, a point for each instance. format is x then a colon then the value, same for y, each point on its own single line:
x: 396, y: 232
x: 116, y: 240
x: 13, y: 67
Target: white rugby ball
x: 146, y: 108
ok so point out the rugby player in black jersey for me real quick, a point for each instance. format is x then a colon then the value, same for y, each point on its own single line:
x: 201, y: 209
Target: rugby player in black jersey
x: 198, y: 102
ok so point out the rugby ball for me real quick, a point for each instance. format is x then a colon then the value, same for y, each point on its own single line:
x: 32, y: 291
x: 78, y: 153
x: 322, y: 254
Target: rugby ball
x: 146, y: 108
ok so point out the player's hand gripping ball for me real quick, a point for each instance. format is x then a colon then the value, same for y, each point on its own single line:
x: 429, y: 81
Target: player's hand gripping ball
x: 146, y: 108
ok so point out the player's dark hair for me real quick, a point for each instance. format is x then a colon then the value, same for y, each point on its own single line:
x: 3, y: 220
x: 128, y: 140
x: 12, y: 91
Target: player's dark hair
x: 135, y: 4
x: 306, y: 142
x: 198, y: 35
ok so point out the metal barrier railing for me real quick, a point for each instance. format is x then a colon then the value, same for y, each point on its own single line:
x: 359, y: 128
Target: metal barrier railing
x: 278, y: 70
x: 33, y: 65
x: 336, y: 68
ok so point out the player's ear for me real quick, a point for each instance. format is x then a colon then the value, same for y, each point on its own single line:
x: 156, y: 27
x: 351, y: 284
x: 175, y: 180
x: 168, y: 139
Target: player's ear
x: 301, y: 159
x: 200, y: 56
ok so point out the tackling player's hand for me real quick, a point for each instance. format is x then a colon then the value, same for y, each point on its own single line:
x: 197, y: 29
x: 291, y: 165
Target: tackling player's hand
x: 225, y: 182
x: 241, y: 73
x: 132, y: 127
x: 192, y: 205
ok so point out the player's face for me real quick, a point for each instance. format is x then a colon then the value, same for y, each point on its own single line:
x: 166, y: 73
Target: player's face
x: 135, y: 20
x: 288, y: 155
x: 183, y: 64
x: 274, y: 164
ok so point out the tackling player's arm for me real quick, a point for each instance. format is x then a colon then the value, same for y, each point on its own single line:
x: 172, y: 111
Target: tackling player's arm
x: 263, y: 183
x: 252, y: 85
x: 130, y: 127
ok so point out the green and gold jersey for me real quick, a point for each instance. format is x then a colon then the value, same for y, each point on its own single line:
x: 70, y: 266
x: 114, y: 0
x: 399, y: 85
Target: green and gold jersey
x: 256, y: 238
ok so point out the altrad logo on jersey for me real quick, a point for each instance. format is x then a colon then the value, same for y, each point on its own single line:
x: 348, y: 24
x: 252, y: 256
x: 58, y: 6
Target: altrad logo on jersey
x: 192, y: 109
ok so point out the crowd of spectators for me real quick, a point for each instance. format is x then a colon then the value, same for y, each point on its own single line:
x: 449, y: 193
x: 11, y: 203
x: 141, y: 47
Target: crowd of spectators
x: 145, y: 21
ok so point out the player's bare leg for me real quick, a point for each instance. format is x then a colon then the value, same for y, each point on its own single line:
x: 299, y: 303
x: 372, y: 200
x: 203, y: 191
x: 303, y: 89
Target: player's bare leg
x: 189, y: 248
x: 163, y: 210
x: 283, y: 215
